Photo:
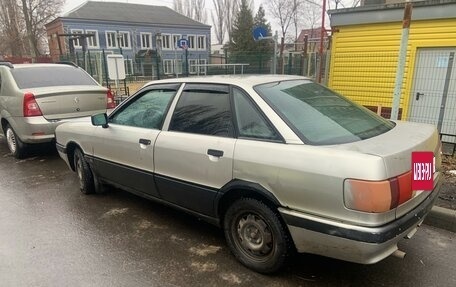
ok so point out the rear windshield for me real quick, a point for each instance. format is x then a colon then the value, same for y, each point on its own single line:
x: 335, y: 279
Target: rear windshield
x: 320, y: 116
x: 37, y: 77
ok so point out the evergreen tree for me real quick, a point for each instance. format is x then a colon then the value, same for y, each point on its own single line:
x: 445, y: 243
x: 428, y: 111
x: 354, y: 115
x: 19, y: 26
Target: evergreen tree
x: 242, y: 39
x: 263, y: 46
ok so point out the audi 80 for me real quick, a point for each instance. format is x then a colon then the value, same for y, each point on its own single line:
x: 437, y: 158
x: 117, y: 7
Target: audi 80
x: 35, y: 98
x: 281, y: 163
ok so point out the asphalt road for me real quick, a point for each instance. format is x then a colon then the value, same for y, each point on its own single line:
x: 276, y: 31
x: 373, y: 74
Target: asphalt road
x: 52, y: 235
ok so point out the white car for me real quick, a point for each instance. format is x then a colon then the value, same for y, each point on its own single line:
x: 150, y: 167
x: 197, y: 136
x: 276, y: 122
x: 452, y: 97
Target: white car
x: 279, y: 162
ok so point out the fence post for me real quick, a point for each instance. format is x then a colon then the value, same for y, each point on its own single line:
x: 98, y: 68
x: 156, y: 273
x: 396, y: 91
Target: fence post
x: 186, y: 63
x: 158, y: 65
x: 290, y: 63
x: 90, y: 63
x: 105, y: 65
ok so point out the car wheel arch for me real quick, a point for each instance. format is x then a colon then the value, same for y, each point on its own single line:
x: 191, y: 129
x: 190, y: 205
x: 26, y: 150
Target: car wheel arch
x: 70, y: 148
x: 237, y: 189
x: 4, y: 122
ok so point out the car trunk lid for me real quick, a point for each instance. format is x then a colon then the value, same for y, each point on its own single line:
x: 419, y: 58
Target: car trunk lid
x: 396, y: 147
x: 58, y: 103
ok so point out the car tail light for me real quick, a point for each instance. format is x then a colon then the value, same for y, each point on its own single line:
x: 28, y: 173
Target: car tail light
x: 111, y: 104
x: 378, y: 196
x: 31, y: 108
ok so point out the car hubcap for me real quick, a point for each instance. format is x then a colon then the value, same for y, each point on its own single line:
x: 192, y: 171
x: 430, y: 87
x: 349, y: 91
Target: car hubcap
x: 11, y: 140
x: 254, y: 236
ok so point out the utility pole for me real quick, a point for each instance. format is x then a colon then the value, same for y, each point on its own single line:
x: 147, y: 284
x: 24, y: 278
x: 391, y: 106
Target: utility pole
x: 401, y: 61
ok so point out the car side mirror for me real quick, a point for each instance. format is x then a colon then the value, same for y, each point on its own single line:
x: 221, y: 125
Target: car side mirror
x: 100, y: 120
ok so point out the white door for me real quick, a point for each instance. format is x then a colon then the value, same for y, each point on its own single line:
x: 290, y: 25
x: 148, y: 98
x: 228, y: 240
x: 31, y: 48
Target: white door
x: 433, y: 98
x: 194, y: 158
x: 124, y: 151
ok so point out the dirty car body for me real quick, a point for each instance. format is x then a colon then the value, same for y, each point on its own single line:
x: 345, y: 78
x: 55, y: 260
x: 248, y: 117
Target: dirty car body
x: 36, y: 98
x: 279, y: 162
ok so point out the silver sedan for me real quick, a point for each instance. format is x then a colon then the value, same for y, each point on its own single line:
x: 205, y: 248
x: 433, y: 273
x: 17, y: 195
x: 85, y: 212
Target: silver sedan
x: 279, y: 162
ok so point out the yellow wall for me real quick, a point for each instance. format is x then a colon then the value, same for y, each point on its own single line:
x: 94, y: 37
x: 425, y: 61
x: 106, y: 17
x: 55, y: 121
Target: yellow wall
x: 364, y: 58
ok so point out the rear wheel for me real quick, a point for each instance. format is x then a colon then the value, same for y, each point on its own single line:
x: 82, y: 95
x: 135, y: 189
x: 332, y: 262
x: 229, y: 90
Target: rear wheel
x: 15, y: 145
x: 85, y: 175
x: 255, y: 235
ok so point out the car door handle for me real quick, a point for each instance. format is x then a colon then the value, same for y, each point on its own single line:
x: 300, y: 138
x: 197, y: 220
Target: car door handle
x: 418, y: 95
x: 215, y: 152
x: 145, y: 141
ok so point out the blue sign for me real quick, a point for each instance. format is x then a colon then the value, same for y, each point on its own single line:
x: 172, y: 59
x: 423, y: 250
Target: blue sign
x: 259, y: 32
x: 182, y: 43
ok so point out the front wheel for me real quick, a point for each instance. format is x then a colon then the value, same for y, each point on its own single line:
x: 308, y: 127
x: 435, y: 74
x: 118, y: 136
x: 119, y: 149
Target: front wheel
x: 15, y: 145
x: 85, y: 175
x: 255, y: 235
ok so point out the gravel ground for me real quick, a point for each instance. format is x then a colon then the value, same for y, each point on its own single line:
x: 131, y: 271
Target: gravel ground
x: 447, y: 197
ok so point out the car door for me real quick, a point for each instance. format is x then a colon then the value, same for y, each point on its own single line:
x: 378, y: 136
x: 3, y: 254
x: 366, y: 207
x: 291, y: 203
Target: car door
x: 194, y: 157
x: 124, y: 151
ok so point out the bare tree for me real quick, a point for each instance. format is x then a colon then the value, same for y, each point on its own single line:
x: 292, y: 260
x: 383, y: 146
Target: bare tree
x: 297, y: 16
x: 231, y: 8
x: 194, y: 9
x: 283, y: 11
x: 218, y: 20
x: 11, y: 29
x: 199, y: 10
x: 22, y: 23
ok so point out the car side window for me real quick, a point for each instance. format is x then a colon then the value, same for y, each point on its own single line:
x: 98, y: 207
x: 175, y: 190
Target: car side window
x: 146, y: 110
x: 250, y: 122
x: 204, y: 109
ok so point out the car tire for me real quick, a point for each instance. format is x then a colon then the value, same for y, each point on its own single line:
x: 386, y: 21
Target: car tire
x: 17, y: 148
x: 256, y: 235
x: 84, y: 173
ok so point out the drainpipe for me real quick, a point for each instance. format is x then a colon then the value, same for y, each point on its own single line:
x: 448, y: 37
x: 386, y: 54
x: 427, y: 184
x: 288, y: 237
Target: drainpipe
x: 401, y: 61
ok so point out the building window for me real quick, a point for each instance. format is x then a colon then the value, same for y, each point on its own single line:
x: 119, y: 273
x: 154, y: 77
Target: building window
x: 191, y: 42
x: 92, y: 42
x: 111, y: 39
x: 201, y: 42
x: 202, y: 68
x: 176, y: 38
x: 146, y: 40
x: 192, y: 68
x: 128, y: 66
x: 178, y: 66
x: 124, y: 40
x: 168, y: 66
x: 166, y: 42
x: 77, y: 42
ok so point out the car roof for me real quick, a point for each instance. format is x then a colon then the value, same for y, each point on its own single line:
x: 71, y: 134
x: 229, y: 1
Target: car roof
x: 241, y: 80
x: 22, y: 66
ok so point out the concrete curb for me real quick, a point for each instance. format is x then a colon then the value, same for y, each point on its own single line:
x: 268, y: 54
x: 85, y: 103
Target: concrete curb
x: 442, y: 218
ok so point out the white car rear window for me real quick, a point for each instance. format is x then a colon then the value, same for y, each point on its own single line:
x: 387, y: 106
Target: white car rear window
x: 320, y: 116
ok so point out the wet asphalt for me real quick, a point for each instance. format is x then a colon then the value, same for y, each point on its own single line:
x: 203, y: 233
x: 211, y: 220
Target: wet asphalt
x: 53, y: 235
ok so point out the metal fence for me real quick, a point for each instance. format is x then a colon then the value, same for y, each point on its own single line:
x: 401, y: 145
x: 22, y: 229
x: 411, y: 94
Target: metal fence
x: 428, y: 90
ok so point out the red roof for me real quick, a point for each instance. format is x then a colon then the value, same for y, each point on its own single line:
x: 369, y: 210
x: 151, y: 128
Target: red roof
x: 311, y: 33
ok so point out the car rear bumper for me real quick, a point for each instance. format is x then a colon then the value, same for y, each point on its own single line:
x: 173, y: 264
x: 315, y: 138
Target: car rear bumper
x: 35, y: 129
x: 38, y: 129
x: 365, y: 245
